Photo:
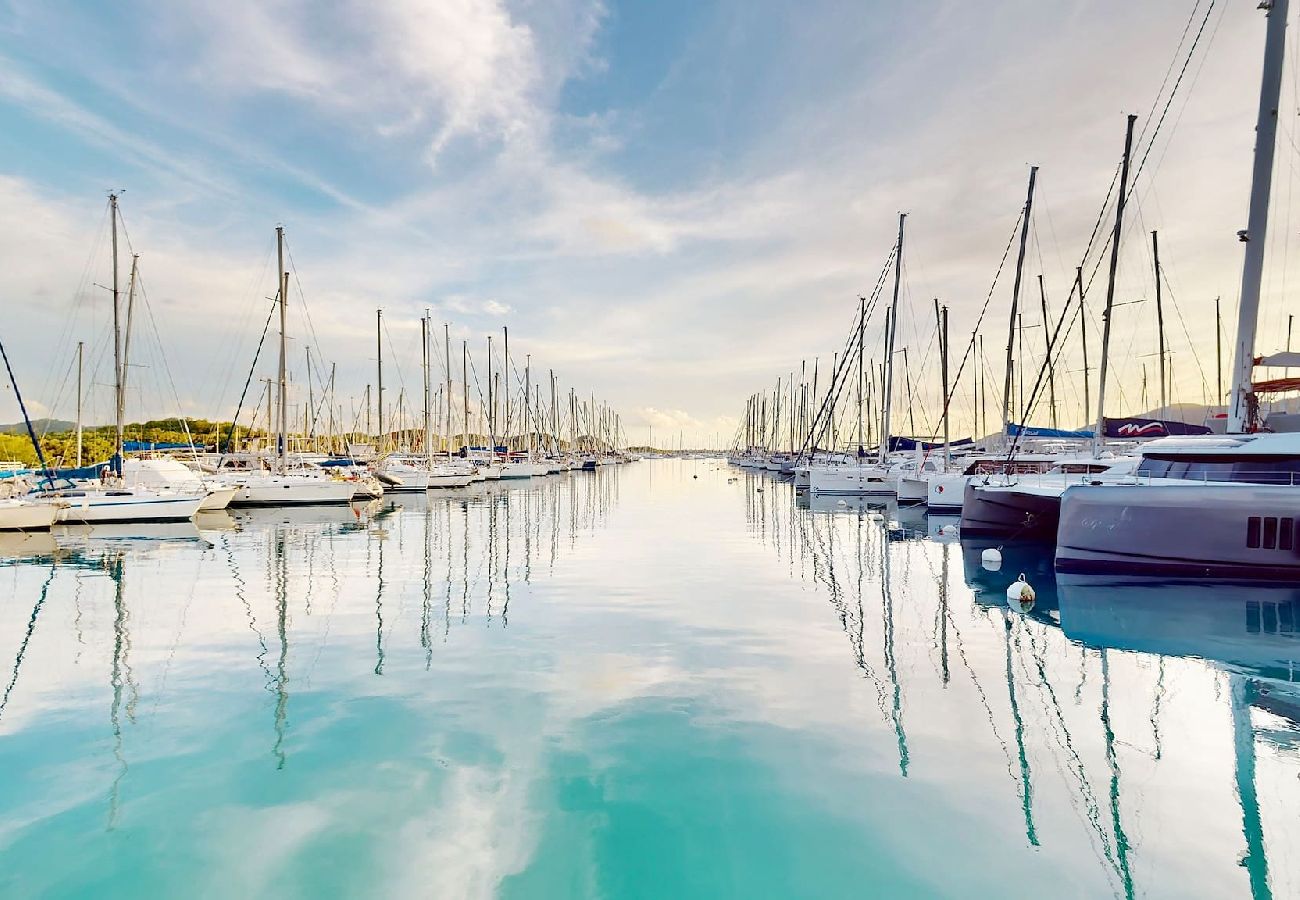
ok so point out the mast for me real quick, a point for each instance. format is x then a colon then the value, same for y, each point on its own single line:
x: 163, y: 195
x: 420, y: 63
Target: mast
x: 379, y: 374
x: 424, y: 361
x: 892, y: 327
x: 862, y: 315
x: 1083, y: 335
x: 130, y: 317
x: 943, y: 368
x: 81, y: 349
x: 1160, y: 322
x: 1110, y: 287
x: 505, y: 330
x: 118, y: 398
x: 491, y: 401
x: 1015, y: 305
x: 1242, y: 406
x: 464, y: 387
x: 446, y: 337
x: 282, y: 422
x: 1047, y: 337
x: 1218, y: 352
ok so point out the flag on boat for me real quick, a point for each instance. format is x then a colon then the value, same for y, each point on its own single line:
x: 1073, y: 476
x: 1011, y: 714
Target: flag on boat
x: 1150, y: 428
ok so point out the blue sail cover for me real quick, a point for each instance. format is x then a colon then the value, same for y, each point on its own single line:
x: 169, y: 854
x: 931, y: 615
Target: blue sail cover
x: 143, y: 446
x: 1037, y: 432
x: 898, y: 444
x: 1150, y: 428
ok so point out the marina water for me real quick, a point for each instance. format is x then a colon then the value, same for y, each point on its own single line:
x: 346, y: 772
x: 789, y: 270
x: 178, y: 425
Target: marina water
x: 664, y: 679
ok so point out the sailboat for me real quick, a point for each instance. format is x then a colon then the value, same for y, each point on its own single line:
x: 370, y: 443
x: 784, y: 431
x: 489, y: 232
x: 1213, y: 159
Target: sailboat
x: 113, y: 500
x: 1211, y: 506
x: 281, y: 485
x: 863, y: 477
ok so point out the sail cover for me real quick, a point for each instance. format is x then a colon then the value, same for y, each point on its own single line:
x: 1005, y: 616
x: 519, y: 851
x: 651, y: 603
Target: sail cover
x: 1150, y: 428
x: 1034, y: 431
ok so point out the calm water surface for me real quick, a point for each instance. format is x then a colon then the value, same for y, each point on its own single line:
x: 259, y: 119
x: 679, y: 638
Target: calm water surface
x: 668, y: 679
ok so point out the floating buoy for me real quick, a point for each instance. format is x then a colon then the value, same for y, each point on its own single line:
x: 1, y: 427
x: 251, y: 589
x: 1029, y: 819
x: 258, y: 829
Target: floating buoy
x: 1021, y: 592
x: 948, y: 530
x: 840, y: 503
x: 991, y: 559
x: 875, y: 517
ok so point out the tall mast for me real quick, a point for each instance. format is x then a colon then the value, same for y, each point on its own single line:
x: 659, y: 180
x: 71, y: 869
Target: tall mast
x: 119, y: 400
x: 505, y: 330
x: 424, y: 361
x: 891, y: 327
x: 282, y: 422
x: 1047, y: 338
x: 1218, y: 352
x: 379, y: 374
x: 1015, y: 305
x: 81, y: 349
x: 942, y: 314
x: 131, y: 282
x: 528, y: 403
x: 862, y: 316
x: 491, y: 401
x: 446, y: 337
x: 1160, y: 322
x: 464, y: 389
x: 1083, y: 335
x: 1110, y: 287
x: 1241, y: 407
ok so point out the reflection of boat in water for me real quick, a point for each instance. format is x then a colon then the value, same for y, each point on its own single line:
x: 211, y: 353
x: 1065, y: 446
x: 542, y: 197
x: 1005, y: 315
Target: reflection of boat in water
x: 338, y: 515
x: 152, y: 532
x: 830, y: 503
x: 14, y: 544
x: 1247, y: 628
x: 215, y: 520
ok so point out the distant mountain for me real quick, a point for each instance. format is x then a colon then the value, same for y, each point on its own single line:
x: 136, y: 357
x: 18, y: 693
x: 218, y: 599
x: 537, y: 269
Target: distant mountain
x: 42, y: 426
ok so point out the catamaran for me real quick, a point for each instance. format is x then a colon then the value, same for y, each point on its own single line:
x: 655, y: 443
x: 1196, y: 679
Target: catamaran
x: 1212, y: 506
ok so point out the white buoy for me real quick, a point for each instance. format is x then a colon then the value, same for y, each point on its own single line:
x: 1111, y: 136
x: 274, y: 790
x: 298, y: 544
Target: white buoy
x: 991, y: 559
x: 876, y: 517
x: 948, y: 530
x: 1020, y: 593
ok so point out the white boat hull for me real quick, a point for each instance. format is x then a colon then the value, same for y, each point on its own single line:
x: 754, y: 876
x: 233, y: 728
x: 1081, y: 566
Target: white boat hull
x: 94, y: 507
x: 291, y: 490
x: 23, y: 515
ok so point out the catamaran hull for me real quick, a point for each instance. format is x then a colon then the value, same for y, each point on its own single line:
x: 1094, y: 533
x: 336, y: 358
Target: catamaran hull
x: 913, y: 491
x: 945, y: 492
x: 1004, y: 512
x: 1181, y: 529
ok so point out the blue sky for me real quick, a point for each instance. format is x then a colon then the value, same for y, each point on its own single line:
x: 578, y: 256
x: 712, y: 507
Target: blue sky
x: 669, y: 203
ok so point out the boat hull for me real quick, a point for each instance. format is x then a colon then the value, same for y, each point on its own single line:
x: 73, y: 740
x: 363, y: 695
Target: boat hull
x: 289, y: 491
x: 1187, y: 529
x: 1001, y: 511
x: 95, y: 509
x: 16, y: 515
x: 854, y: 481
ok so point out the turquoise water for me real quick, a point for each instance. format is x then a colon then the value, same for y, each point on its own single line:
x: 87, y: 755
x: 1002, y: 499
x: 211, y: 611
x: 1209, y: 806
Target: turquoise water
x: 667, y: 679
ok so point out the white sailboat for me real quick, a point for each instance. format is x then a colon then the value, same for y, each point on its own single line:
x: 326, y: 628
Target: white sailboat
x: 282, y: 485
x: 112, y: 500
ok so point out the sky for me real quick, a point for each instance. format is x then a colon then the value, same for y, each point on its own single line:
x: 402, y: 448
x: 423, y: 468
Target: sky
x: 670, y: 204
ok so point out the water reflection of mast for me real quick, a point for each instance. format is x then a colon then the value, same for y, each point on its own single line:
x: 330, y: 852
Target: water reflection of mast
x: 1121, y: 839
x: 282, y: 631
x: 22, y: 648
x: 1244, y: 693
x: 379, y: 605
x: 426, y: 599
x: 891, y: 662
x: 1026, y: 784
x: 119, y: 676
